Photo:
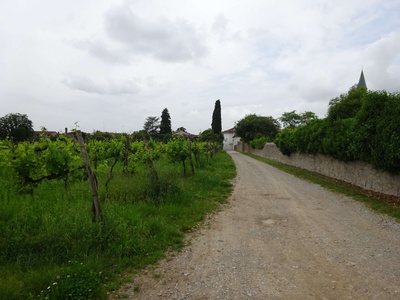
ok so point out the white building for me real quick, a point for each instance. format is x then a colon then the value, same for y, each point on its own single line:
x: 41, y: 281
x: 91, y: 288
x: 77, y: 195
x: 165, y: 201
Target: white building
x: 230, y: 141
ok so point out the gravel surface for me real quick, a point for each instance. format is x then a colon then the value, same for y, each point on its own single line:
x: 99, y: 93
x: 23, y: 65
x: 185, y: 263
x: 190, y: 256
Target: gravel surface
x: 280, y: 238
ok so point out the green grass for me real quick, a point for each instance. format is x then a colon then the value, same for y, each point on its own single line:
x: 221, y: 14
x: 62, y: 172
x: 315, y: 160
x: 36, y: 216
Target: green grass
x: 384, y: 204
x: 51, y: 249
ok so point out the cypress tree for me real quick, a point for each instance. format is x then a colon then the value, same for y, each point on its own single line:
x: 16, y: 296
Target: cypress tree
x: 216, y: 124
x: 165, y: 125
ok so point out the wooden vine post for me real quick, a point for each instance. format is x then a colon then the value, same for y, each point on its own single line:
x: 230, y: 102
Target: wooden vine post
x: 190, y: 155
x: 96, y: 208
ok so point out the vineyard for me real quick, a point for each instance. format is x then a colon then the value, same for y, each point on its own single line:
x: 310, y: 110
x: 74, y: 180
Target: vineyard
x: 56, y: 242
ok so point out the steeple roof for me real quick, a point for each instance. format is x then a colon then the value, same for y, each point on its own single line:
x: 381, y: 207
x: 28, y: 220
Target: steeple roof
x: 361, y: 82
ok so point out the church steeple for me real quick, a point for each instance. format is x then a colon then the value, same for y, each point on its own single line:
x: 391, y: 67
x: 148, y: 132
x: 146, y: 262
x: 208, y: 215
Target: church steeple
x: 361, y: 82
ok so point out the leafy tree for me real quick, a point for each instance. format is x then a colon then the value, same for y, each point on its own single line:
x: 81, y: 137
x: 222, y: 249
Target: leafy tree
x: 307, y: 116
x: 216, y: 124
x: 209, y: 136
x: 165, y: 125
x: 17, y: 127
x: 346, y: 105
x: 292, y: 119
x: 251, y: 125
x: 151, y: 125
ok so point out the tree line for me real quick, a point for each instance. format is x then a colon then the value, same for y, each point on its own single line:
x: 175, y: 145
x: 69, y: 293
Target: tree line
x: 18, y: 128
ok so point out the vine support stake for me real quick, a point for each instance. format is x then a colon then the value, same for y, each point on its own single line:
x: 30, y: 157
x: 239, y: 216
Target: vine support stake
x: 190, y: 155
x: 96, y: 208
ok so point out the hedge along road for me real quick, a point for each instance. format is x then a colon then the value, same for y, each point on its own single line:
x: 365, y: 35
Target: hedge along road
x: 280, y: 238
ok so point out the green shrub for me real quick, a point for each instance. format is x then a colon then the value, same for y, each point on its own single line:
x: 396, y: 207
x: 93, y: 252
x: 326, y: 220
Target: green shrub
x: 259, y: 141
x: 285, y: 141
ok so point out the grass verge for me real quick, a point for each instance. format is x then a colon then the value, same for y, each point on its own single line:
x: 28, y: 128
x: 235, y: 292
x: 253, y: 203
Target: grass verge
x: 385, y: 204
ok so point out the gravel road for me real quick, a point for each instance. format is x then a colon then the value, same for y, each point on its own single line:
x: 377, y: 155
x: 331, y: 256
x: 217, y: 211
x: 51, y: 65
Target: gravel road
x: 280, y: 238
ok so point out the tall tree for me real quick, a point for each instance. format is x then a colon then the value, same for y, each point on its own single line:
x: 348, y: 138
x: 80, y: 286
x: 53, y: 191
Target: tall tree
x: 165, y: 125
x: 151, y: 125
x: 216, y: 124
x: 17, y: 127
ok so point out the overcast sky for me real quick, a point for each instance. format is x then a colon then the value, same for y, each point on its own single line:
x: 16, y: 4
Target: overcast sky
x: 107, y: 65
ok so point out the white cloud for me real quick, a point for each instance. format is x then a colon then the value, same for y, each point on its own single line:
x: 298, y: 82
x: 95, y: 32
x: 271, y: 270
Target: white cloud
x: 106, y: 87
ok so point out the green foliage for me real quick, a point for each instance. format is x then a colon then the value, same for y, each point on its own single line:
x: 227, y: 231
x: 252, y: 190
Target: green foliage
x: 339, y: 136
x: 309, y: 137
x: 285, y: 141
x: 259, y: 141
x: 361, y: 125
x: 216, y: 124
x: 346, y: 105
x: 101, y: 136
x: 16, y: 127
x: 209, y: 136
x: 214, y: 141
x: 177, y: 149
x: 251, y: 125
x: 46, y: 160
x: 377, y: 131
x: 292, y: 119
x: 151, y: 125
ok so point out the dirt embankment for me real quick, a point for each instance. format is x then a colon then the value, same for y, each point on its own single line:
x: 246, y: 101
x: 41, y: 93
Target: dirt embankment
x: 281, y: 238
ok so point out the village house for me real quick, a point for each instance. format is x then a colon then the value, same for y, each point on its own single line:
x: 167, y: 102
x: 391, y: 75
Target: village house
x: 230, y: 140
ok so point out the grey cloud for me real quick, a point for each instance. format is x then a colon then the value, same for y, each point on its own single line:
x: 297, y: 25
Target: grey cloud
x: 108, y: 87
x: 220, y: 24
x: 98, y: 48
x: 166, y: 40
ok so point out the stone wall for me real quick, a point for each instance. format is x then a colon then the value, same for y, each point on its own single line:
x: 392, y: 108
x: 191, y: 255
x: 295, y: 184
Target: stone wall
x: 357, y: 173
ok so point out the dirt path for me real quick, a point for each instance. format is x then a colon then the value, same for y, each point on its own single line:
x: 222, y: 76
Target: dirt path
x: 281, y: 238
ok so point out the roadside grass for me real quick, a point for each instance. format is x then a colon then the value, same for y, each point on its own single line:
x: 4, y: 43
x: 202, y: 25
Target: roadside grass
x: 385, y: 204
x: 51, y: 249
